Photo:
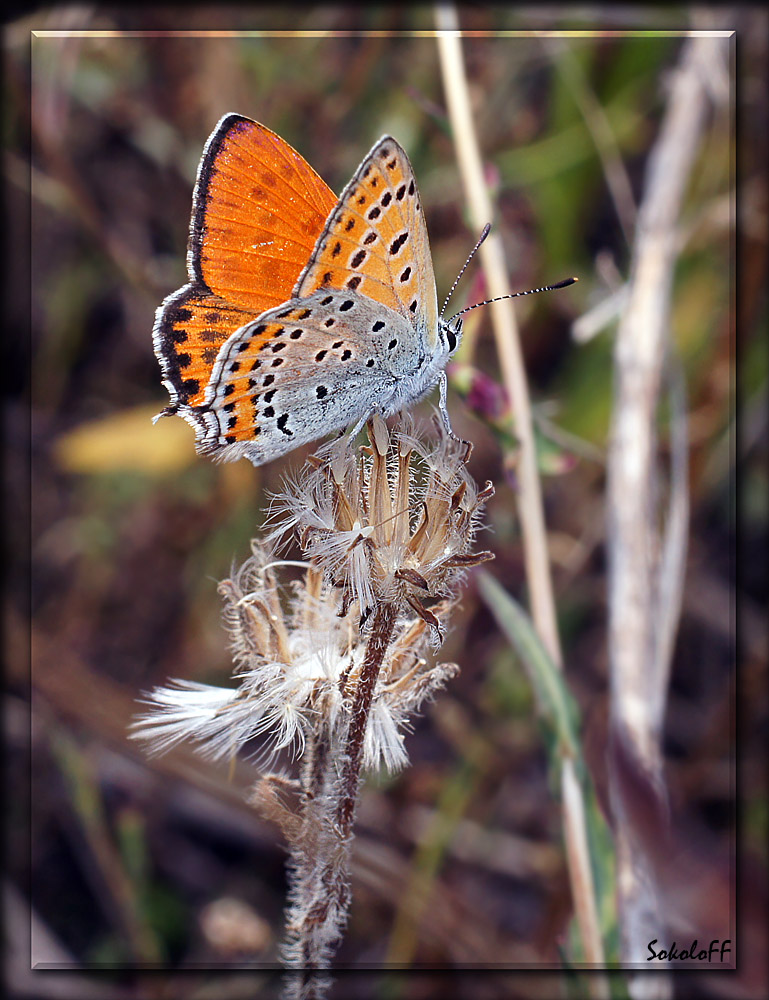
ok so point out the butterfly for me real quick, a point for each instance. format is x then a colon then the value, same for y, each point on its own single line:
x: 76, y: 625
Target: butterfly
x: 304, y: 313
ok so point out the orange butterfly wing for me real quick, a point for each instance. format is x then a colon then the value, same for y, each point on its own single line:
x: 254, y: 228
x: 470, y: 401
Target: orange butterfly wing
x: 258, y: 209
x: 375, y: 242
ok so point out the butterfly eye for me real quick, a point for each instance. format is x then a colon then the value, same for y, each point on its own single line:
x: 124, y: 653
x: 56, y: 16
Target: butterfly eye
x: 453, y: 332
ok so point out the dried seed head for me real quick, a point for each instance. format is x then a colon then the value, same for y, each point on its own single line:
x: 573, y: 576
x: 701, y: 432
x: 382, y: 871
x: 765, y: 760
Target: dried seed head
x: 394, y: 523
x: 297, y: 666
x: 389, y: 528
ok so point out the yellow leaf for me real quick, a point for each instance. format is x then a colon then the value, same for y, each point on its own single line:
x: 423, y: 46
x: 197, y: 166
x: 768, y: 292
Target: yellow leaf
x: 128, y: 441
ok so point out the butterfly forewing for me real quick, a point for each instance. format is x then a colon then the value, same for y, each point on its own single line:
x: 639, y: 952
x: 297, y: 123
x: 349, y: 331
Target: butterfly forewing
x: 375, y: 241
x: 258, y: 209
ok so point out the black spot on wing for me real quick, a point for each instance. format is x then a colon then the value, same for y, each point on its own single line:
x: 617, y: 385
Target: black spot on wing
x: 397, y: 244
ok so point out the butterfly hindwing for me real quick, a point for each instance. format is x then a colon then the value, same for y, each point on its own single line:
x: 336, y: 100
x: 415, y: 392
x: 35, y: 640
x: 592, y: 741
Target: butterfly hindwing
x: 375, y: 242
x: 191, y: 326
x: 346, y: 356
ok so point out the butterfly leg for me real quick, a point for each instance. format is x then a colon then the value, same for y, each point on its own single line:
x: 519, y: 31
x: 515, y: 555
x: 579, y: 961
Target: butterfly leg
x: 356, y: 429
x: 443, y: 384
x: 361, y: 424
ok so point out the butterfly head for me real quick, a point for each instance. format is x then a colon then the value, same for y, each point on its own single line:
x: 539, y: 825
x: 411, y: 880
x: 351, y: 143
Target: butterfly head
x: 450, y: 334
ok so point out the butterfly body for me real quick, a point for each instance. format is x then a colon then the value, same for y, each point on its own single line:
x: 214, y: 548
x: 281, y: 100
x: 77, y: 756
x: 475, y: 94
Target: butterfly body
x: 259, y: 368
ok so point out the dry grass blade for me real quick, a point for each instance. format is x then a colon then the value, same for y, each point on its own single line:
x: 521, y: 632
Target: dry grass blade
x: 639, y: 657
x: 530, y: 507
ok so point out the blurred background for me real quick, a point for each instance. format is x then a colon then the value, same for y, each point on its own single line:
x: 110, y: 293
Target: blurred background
x: 459, y: 860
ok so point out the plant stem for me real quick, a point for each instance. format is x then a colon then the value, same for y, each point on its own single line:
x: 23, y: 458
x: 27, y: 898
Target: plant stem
x: 646, y: 572
x: 530, y: 509
x: 506, y: 336
x: 320, y: 892
x: 376, y: 647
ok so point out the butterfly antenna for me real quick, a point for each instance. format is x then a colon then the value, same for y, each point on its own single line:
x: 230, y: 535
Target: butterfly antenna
x: 484, y: 234
x: 514, y: 295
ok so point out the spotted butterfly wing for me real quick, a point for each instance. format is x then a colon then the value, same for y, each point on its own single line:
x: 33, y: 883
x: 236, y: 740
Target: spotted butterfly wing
x: 375, y: 242
x: 306, y: 368
x: 258, y: 208
x: 358, y: 334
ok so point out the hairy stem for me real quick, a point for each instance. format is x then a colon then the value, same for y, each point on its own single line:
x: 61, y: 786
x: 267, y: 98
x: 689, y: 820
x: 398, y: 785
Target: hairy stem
x: 379, y: 639
x: 320, y: 893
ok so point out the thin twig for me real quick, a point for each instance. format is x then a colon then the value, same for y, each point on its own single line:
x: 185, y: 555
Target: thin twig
x: 529, y: 496
x: 505, y: 328
x: 672, y: 570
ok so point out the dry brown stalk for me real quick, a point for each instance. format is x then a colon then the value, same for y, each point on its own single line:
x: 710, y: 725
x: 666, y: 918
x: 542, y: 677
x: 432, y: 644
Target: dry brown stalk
x: 645, y: 572
x: 529, y: 497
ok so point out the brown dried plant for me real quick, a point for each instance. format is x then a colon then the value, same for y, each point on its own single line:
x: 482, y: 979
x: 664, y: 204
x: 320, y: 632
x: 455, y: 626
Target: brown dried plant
x: 333, y: 665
